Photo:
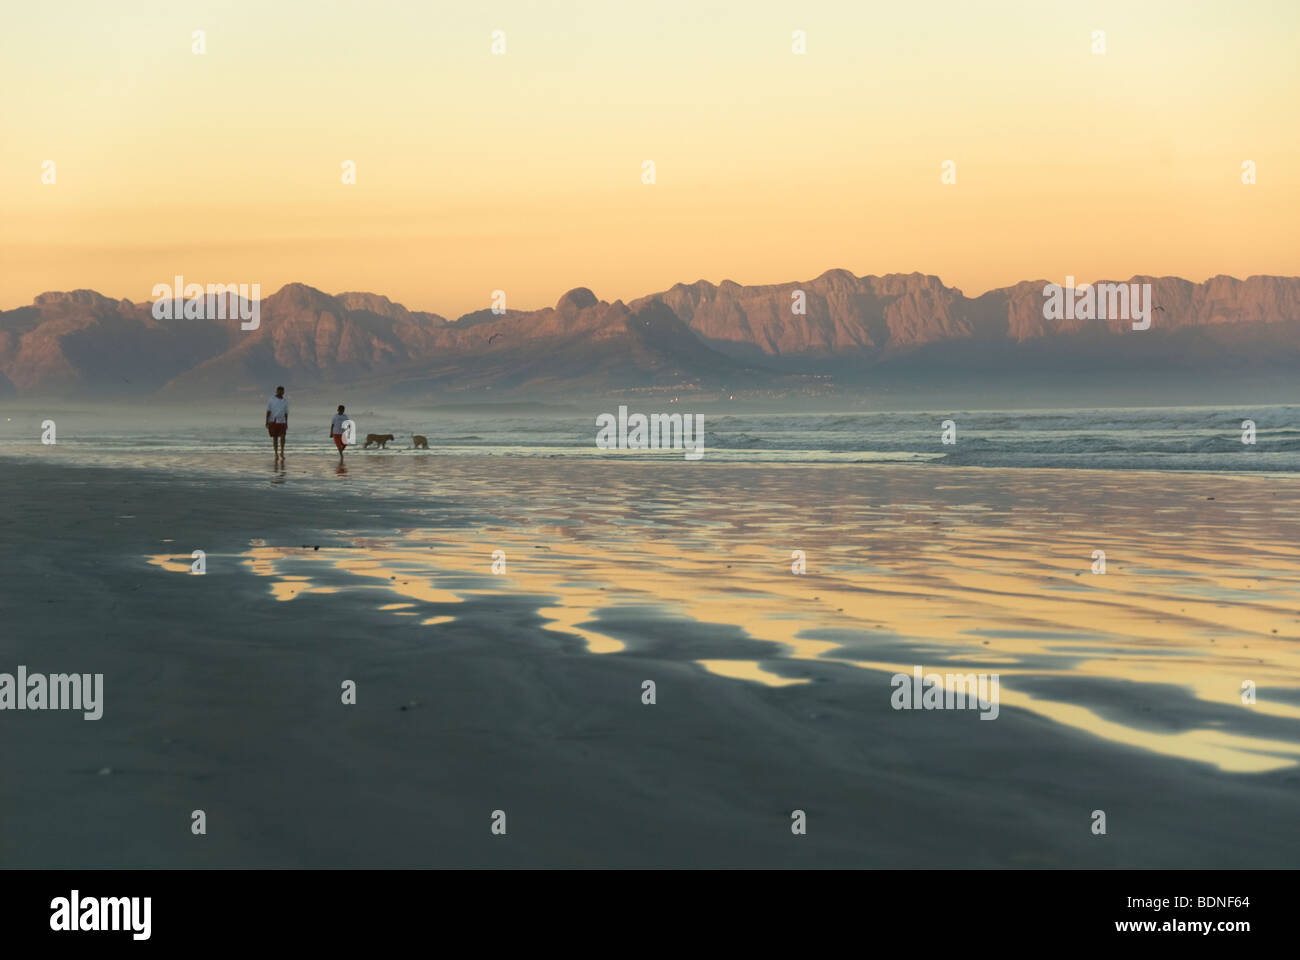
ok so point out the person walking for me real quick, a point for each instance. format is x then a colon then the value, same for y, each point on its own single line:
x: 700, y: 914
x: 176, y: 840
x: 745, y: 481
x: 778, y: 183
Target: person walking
x: 277, y: 421
x: 338, y: 430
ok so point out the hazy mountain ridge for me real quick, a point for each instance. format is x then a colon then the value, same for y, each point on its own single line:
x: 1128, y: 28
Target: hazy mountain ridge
x: 693, y: 336
x: 883, y: 315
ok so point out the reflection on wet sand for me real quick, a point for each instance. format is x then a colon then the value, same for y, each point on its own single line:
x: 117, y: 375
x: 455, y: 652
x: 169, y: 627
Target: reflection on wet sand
x: 989, y: 570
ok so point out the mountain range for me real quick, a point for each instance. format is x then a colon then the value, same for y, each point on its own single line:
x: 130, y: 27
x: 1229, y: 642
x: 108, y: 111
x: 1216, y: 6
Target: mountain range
x: 694, y: 339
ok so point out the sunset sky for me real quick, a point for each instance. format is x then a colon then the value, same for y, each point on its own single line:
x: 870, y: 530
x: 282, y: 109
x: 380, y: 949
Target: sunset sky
x: 523, y: 172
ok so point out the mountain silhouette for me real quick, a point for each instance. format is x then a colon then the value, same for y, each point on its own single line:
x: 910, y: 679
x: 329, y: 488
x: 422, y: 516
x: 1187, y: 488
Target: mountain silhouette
x: 846, y: 331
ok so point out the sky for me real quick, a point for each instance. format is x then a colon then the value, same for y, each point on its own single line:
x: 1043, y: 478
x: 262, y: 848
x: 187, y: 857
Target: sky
x: 523, y: 171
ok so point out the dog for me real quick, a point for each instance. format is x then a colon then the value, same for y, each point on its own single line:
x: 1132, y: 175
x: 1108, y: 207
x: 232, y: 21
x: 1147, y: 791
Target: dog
x: 378, y: 438
x: 421, y: 443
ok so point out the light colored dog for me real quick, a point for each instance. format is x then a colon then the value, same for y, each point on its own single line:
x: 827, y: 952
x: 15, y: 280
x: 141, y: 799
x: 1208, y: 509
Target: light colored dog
x: 421, y: 443
x: 377, y: 438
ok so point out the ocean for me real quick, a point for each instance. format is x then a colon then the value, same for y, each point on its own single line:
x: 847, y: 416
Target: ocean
x: 1131, y: 438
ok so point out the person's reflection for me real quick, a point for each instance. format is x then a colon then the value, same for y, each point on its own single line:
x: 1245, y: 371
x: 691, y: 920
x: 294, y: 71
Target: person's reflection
x: 278, y: 472
x: 341, y: 470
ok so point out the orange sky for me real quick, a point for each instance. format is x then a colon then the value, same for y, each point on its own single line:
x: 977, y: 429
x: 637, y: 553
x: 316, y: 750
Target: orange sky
x: 523, y: 171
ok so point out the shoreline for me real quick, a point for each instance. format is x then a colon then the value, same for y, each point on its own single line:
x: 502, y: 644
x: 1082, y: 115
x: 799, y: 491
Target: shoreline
x: 327, y: 456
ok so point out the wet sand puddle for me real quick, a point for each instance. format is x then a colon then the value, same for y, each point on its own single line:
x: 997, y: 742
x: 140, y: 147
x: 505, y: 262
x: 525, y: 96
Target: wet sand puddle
x: 1189, y: 603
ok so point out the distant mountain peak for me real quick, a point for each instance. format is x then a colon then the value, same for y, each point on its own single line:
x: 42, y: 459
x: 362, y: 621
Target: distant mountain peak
x: 89, y: 298
x: 579, y: 298
x: 299, y: 294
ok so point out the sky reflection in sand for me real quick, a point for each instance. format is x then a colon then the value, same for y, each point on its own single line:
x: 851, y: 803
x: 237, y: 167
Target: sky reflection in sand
x: 1197, y: 597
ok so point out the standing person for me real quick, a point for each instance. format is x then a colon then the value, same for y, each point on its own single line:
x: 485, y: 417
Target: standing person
x: 336, y: 430
x: 277, y: 421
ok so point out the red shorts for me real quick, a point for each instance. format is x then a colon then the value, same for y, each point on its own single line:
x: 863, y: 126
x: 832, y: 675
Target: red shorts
x: 338, y: 442
x: 277, y: 429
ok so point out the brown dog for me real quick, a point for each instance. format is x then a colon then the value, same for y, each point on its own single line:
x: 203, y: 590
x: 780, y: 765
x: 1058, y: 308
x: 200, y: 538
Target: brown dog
x: 377, y: 438
x: 421, y: 443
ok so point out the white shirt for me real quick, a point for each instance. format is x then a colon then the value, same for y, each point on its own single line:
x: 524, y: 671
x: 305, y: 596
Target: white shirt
x: 278, y: 408
x: 336, y: 425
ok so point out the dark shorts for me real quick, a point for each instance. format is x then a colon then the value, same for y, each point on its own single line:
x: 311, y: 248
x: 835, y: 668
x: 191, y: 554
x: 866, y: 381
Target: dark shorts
x: 277, y: 429
x: 338, y: 442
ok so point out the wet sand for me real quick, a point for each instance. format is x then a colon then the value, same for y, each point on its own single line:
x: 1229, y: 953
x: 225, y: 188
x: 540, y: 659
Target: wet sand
x: 521, y: 691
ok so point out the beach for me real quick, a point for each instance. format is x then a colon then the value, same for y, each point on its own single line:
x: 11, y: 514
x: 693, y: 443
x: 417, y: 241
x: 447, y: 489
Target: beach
x: 522, y: 690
